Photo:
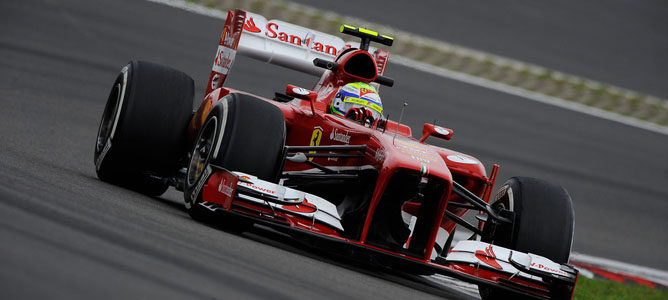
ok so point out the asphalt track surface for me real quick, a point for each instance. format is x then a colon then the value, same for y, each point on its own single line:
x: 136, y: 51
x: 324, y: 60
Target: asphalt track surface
x: 619, y: 42
x: 65, y: 234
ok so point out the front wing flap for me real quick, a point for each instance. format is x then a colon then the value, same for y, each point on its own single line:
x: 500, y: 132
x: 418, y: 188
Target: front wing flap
x: 225, y: 188
x: 527, y: 265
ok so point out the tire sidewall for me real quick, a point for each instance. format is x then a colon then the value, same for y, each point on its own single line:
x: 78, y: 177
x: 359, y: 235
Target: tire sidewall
x: 149, y: 131
x: 218, y: 118
x: 103, y: 155
x: 542, y: 225
x: 253, y: 136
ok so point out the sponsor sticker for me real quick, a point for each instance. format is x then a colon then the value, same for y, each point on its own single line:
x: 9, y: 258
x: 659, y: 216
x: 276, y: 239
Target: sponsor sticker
x: 215, y: 81
x: 227, y: 38
x: 408, y: 144
x: 422, y: 160
x: 293, y: 35
x: 225, y: 187
x: 224, y: 59
x: 416, y: 151
x: 380, y: 155
x: 441, y: 130
x: 462, y: 159
x: 332, y: 158
x: 548, y: 269
x: 339, y: 136
x: 300, y: 91
x: 274, y: 31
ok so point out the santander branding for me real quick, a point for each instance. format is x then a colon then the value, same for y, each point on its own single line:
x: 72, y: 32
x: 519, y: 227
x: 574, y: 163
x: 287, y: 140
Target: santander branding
x: 276, y: 30
x: 223, y: 60
x: 339, y: 136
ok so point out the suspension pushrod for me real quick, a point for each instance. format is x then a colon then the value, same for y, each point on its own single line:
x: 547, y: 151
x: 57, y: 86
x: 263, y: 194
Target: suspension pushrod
x: 477, y: 202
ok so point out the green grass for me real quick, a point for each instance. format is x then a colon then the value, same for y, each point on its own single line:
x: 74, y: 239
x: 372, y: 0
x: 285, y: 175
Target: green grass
x: 602, y: 289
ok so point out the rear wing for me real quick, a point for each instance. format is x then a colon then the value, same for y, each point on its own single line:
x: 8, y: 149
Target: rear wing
x: 277, y: 42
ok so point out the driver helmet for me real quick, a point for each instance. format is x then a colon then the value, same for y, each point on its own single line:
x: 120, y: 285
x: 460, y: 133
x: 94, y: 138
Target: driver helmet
x: 357, y: 94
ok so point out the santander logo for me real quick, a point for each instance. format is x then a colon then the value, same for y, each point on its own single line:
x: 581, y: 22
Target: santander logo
x: 250, y: 25
x: 273, y: 31
x: 223, y: 60
x: 488, y: 257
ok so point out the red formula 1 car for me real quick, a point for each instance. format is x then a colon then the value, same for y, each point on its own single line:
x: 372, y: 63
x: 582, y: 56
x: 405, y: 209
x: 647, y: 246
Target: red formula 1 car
x: 351, y: 179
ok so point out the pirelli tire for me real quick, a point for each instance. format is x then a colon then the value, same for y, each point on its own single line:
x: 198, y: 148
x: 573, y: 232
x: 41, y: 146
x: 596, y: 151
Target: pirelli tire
x: 241, y: 133
x: 142, y: 134
x: 544, y: 222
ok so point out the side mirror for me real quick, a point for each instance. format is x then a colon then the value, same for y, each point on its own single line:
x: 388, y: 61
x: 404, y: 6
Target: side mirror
x: 435, y: 131
x: 302, y: 93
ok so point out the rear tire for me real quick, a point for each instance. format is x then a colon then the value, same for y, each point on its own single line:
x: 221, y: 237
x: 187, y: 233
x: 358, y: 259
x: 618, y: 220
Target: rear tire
x: 142, y: 134
x: 544, y: 223
x: 241, y: 133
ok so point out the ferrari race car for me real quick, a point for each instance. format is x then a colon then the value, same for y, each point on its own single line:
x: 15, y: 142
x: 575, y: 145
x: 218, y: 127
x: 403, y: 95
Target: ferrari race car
x: 356, y: 182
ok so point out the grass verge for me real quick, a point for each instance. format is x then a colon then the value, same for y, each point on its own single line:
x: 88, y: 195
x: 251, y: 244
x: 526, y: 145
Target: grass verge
x: 603, y: 289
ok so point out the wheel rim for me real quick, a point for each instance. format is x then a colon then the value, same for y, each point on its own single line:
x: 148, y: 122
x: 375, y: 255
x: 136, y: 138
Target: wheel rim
x: 108, y: 117
x: 201, y: 154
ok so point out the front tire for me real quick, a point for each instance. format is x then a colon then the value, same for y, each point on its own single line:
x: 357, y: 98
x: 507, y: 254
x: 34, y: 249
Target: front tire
x: 543, y: 224
x: 241, y: 133
x: 142, y: 134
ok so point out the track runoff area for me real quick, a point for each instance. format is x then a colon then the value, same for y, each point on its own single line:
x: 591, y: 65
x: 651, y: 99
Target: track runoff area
x: 589, y: 266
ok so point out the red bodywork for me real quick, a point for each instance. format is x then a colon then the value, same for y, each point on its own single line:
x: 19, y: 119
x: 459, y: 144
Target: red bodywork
x: 389, y: 150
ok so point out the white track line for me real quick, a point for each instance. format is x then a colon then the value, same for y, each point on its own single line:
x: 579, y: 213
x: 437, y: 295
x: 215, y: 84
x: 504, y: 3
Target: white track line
x: 508, y: 89
x: 658, y: 276
x: 194, y: 8
x: 653, y: 274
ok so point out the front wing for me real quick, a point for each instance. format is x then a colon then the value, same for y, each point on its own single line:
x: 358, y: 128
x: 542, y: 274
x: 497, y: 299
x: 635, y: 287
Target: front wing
x: 306, y: 214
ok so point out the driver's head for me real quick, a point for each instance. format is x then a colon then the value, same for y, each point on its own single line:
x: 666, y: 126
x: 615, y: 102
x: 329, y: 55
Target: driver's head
x: 357, y: 95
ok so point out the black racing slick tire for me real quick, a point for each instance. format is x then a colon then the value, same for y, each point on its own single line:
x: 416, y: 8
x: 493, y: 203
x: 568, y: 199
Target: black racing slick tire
x: 241, y: 133
x: 142, y: 134
x: 544, y: 222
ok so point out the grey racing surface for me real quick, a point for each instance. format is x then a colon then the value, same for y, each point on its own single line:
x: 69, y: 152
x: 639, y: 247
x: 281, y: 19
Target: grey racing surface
x: 66, y: 234
x: 619, y: 42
